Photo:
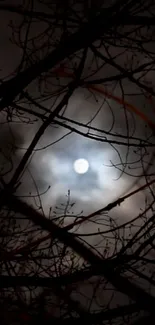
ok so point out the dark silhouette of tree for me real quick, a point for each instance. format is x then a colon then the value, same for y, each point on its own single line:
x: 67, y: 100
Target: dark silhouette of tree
x: 51, y: 270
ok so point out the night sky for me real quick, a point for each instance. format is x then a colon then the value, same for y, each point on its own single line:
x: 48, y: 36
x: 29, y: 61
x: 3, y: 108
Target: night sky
x: 53, y: 165
x: 117, y: 161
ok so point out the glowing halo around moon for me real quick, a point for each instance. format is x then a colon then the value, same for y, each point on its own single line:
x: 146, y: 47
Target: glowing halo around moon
x: 81, y: 166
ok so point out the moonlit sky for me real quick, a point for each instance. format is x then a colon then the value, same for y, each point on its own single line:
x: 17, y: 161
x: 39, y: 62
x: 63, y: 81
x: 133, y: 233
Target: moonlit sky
x: 102, y: 183
x: 53, y: 165
x: 114, y: 169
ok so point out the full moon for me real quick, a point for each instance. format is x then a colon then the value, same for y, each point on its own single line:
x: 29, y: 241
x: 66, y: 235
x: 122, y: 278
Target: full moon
x: 81, y: 166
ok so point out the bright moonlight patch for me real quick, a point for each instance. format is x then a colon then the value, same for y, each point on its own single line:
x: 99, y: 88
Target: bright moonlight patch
x: 81, y: 166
